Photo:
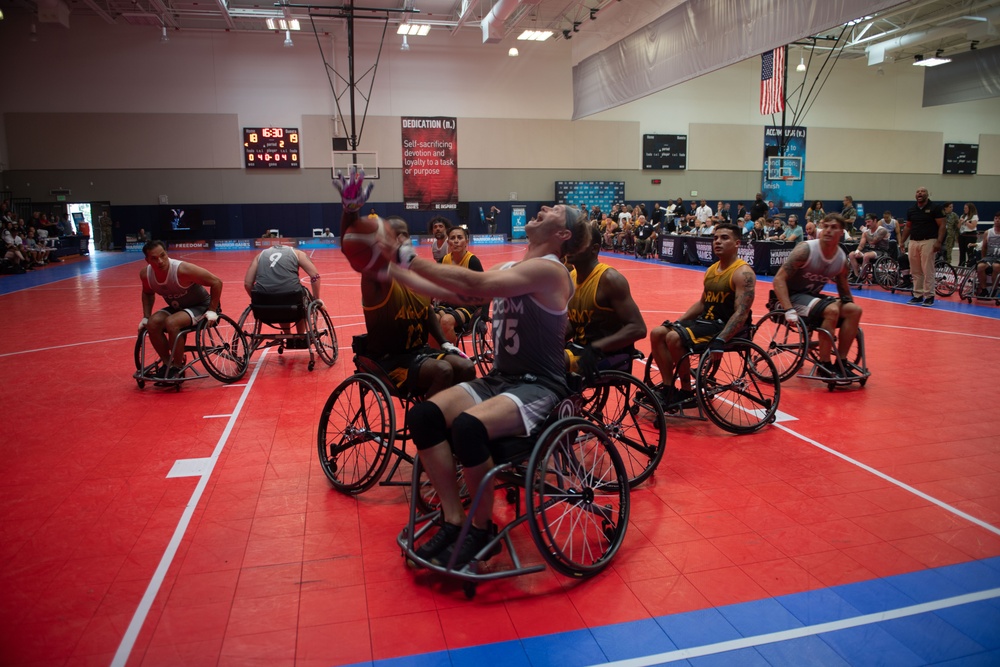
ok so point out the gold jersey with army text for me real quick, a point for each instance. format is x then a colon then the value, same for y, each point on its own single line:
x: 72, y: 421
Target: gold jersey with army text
x: 590, y: 321
x: 398, y: 324
x: 720, y: 295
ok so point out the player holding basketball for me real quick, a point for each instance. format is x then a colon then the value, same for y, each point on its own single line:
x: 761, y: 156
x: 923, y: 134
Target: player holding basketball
x: 182, y: 285
x: 529, y: 378
x: 398, y: 320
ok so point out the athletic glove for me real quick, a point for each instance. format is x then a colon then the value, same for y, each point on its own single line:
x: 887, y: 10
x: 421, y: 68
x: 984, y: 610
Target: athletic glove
x: 142, y: 323
x: 404, y: 256
x: 319, y: 303
x: 211, y: 317
x: 716, y: 345
x: 354, y: 192
x: 587, y: 363
x: 453, y: 349
x: 791, y: 317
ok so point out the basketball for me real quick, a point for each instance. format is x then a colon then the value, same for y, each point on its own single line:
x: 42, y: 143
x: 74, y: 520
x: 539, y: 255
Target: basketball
x: 364, y: 242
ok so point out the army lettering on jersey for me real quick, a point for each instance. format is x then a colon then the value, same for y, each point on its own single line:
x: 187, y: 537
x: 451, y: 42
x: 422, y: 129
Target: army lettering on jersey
x: 720, y: 295
x: 589, y: 320
x: 398, y: 324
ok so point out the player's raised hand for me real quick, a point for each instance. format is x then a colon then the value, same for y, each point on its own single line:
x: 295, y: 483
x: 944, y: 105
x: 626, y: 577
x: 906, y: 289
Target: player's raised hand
x: 354, y: 192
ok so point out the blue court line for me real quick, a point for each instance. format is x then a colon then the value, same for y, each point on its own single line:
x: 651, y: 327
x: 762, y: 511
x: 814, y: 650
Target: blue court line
x: 950, y: 613
x: 53, y: 273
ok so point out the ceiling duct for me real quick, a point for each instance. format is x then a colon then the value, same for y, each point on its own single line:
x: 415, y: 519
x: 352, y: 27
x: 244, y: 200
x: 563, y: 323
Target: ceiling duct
x: 493, y: 24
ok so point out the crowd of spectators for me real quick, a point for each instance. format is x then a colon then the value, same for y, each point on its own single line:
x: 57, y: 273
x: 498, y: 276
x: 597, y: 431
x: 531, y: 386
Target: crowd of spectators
x: 24, y: 247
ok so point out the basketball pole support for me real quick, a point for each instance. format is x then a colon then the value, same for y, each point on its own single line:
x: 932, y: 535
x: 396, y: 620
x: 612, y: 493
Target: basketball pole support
x: 348, y: 12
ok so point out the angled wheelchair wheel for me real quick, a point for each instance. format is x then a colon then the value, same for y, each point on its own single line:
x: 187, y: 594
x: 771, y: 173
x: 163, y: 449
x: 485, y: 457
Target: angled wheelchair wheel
x: 885, y: 272
x: 731, y: 389
x: 631, y: 417
x: 250, y: 327
x: 223, y: 349
x: 482, y: 343
x: 945, y: 278
x: 577, y: 498
x: 356, y: 431
x: 142, y: 369
x: 785, y: 345
x: 324, y: 336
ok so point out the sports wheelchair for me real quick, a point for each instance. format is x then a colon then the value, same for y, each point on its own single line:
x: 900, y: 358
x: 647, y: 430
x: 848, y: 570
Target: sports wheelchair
x: 576, y: 503
x: 359, y: 433
x: 733, y: 388
x: 274, y: 310
x: 221, y: 348
x: 887, y: 272
x: 789, y: 347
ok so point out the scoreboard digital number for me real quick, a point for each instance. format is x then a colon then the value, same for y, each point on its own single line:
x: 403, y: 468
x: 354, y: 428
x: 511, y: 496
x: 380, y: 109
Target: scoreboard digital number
x: 664, y: 151
x: 961, y: 159
x: 271, y: 147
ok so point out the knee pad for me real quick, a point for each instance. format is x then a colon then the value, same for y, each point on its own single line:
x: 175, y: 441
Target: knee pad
x: 470, y: 440
x: 427, y: 425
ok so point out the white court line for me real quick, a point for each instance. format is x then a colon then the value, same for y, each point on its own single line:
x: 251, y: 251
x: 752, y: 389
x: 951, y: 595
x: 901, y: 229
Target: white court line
x: 938, y: 331
x: 216, y: 416
x: 892, y: 480
x: 57, y: 347
x: 805, y: 631
x: 132, y: 633
x: 783, y: 416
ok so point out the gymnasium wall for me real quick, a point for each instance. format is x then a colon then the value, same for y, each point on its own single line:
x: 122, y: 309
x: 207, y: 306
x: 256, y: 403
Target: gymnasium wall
x: 112, y: 114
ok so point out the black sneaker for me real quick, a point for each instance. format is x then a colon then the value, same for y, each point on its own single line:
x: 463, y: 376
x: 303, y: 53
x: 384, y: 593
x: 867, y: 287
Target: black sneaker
x: 473, y: 544
x: 983, y: 294
x: 827, y: 369
x: 683, y: 398
x: 439, y: 541
x: 929, y: 301
x: 175, y: 373
x: 917, y: 300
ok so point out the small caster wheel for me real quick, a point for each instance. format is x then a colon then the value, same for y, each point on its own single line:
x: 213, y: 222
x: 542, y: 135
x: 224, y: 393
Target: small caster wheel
x: 312, y: 364
x: 863, y: 382
x: 141, y: 383
x: 469, y: 589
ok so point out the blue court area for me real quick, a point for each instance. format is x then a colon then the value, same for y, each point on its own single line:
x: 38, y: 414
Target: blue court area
x: 87, y: 264
x: 942, y: 616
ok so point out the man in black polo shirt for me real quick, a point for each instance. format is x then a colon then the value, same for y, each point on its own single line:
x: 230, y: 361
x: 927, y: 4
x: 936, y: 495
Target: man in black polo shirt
x: 925, y: 229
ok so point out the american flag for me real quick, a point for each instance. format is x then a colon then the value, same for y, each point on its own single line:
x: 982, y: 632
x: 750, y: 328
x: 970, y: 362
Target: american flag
x: 772, y: 78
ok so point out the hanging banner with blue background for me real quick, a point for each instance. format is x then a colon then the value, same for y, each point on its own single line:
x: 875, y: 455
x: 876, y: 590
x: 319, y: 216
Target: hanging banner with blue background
x: 517, y: 222
x: 784, y: 175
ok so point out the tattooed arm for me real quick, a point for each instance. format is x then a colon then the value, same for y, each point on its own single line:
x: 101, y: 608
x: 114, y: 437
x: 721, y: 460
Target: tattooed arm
x: 744, y: 283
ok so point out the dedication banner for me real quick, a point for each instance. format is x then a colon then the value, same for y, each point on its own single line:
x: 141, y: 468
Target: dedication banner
x: 784, y: 180
x: 430, y: 163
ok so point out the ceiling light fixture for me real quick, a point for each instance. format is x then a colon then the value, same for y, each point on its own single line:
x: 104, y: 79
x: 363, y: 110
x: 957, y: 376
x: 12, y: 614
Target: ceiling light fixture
x: 933, y: 61
x: 282, y: 24
x: 801, y: 67
x: 163, y: 36
x: 419, y: 29
x: 288, y: 40
x: 512, y: 52
x: 405, y: 46
x: 567, y: 33
x: 535, y: 35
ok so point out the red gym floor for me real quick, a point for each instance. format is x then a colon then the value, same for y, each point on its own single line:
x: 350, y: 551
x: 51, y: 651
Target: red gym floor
x: 246, y: 556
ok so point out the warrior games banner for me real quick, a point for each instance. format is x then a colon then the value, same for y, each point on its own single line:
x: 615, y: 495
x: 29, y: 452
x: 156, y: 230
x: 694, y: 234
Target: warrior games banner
x: 430, y: 164
x: 785, y: 167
